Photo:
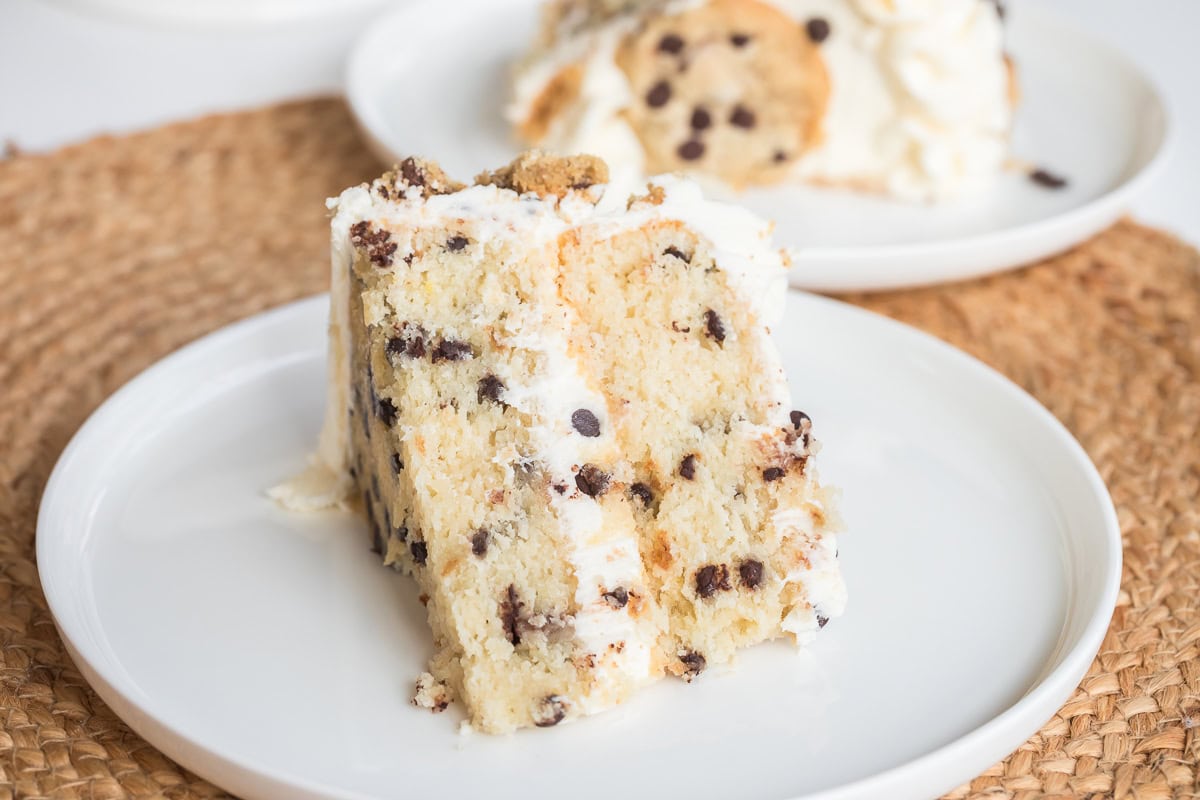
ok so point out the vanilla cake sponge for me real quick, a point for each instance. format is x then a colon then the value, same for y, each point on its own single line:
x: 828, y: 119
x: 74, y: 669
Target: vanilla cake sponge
x: 560, y: 411
x: 912, y: 98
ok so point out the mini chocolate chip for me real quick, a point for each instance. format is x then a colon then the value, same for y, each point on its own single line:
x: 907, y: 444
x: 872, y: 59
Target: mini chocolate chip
x: 714, y: 326
x: 817, y: 29
x: 451, y: 350
x: 691, y: 150
x: 694, y: 662
x: 822, y: 621
x: 586, y: 423
x: 642, y: 492
x: 779, y: 157
x: 687, y: 467
x: 751, y: 573
x: 617, y: 598
x: 412, y: 173
x: 677, y: 253
x: 739, y: 40
x: 1047, y: 179
x: 479, y: 542
x: 671, y: 43
x: 551, y: 712
x: 742, y: 117
x: 510, y: 615
x: 659, y: 95
x: 592, y: 480
x: 773, y: 473
x: 420, y: 552
x: 410, y: 341
x: 490, y: 388
x: 387, y: 411
x: 798, y: 418
x: 711, y: 578
x: 397, y: 464
x: 456, y: 243
x: 561, y: 488
x: 701, y: 119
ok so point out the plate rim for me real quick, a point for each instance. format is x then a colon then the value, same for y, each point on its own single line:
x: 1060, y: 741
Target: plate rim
x: 1032, y: 241
x: 976, y: 749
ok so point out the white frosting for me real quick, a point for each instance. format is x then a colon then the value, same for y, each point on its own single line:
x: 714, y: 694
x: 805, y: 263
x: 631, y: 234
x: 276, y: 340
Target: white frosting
x: 601, y: 559
x: 824, y: 589
x: 919, y: 96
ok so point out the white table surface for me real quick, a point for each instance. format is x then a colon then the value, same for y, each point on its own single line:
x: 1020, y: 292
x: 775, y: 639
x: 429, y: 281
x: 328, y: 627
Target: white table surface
x: 67, y: 73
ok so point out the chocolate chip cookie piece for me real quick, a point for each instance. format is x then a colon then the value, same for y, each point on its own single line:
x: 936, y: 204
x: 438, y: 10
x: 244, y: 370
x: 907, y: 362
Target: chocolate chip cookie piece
x: 737, y: 84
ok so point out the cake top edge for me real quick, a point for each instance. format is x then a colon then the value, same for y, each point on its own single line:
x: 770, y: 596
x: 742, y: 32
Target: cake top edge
x: 539, y: 197
x: 532, y: 172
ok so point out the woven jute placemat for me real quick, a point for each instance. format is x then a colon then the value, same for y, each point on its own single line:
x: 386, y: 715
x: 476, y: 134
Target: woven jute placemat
x: 115, y: 252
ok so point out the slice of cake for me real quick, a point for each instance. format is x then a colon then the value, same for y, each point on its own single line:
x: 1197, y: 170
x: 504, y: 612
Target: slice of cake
x: 560, y: 411
x: 909, y: 98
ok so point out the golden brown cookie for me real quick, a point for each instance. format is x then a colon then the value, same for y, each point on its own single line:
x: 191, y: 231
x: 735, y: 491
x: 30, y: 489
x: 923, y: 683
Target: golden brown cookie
x: 546, y: 175
x: 735, y: 88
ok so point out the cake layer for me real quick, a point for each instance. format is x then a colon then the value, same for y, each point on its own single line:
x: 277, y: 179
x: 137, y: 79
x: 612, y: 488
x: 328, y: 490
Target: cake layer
x: 560, y: 411
x: 912, y: 98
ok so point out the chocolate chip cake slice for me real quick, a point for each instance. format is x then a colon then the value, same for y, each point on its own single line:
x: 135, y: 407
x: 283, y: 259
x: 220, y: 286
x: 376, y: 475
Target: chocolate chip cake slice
x: 559, y: 409
x: 904, y: 97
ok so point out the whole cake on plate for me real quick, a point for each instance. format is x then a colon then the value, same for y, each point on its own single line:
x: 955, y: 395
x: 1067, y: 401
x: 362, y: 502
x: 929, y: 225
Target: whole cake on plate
x: 560, y: 411
x: 912, y: 98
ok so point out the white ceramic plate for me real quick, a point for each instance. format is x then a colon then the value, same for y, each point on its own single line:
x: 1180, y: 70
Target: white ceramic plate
x: 423, y: 81
x: 273, y: 654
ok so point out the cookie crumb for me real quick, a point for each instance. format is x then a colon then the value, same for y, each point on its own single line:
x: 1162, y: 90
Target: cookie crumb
x: 431, y: 694
x: 550, y: 711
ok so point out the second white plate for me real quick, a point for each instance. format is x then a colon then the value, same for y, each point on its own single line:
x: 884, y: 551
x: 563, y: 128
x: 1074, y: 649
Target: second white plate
x: 433, y: 83
x: 273, y: 654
